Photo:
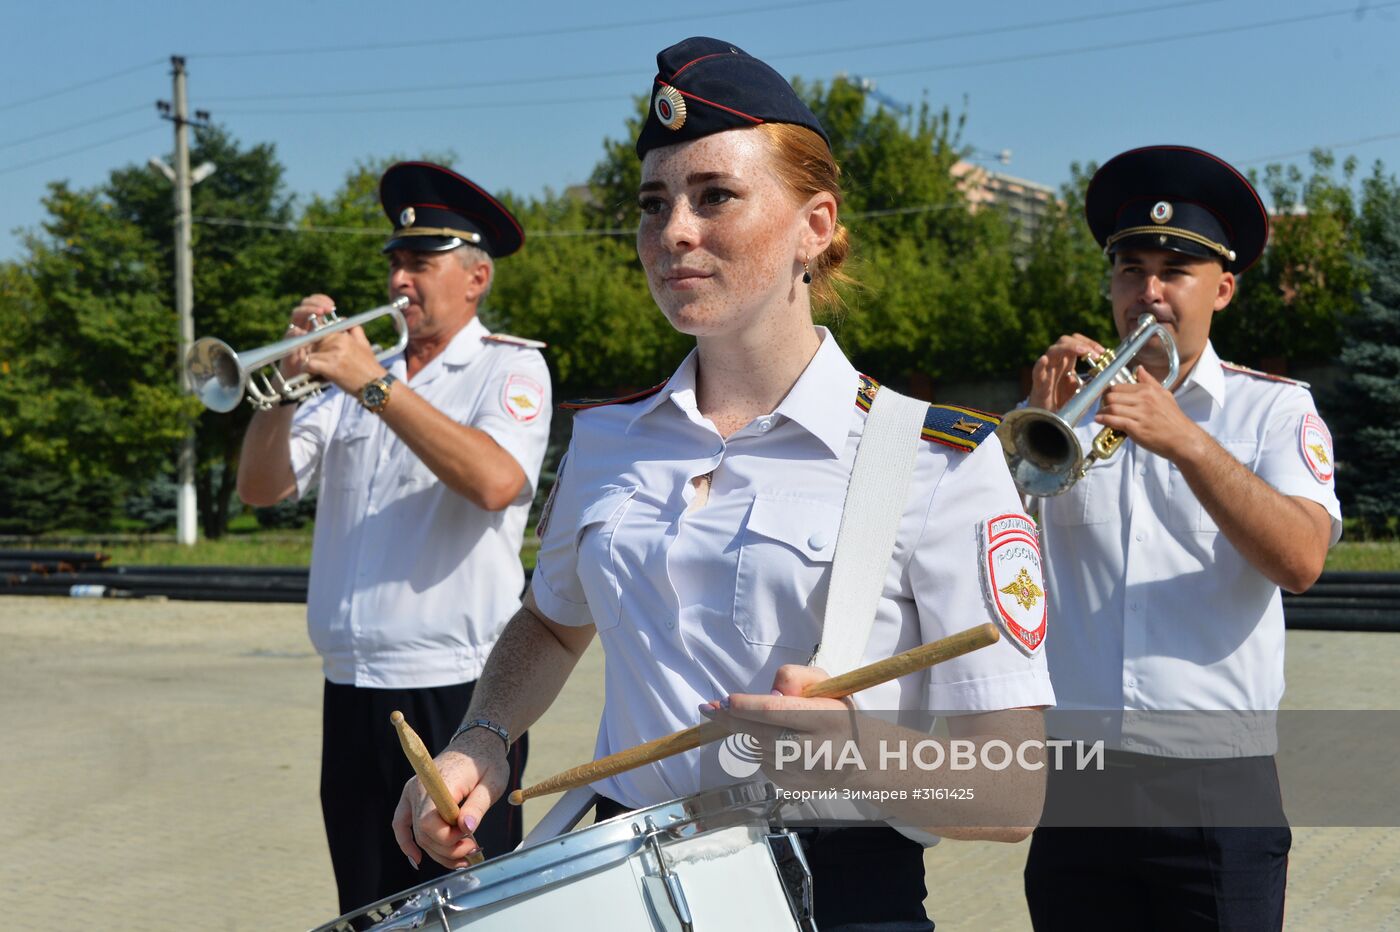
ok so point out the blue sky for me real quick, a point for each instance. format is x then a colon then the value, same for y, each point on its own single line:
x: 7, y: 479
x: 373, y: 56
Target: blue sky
x: 524, y: 93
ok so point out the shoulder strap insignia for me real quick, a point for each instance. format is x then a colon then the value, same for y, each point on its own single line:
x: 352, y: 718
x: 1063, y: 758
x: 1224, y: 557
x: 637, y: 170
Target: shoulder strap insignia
x: 508, y: 340
x: 1245, y: 370
x: 958, y: 427
x: 583, y: 404
x: 951, y: 425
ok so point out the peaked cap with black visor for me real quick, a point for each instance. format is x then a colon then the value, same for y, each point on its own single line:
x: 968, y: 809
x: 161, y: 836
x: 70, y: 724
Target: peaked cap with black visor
x: 434, y: 209
x: 1177, y: 198
x: 704, y: 86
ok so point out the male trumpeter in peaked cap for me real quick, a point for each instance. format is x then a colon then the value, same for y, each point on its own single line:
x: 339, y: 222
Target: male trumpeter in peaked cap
x: 425, y: 467
x: 1164, y: 566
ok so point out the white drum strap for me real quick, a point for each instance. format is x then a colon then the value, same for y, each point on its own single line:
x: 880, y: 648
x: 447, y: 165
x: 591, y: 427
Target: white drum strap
x: 875, y: 500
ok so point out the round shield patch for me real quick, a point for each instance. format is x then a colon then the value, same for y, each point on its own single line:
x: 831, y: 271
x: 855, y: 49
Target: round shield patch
x: 406, y: 217
x: 670, y: 108
x: 522, y: 398
x: 1011, y: 575
x: 1316, y: 446
x: 1161, y: 212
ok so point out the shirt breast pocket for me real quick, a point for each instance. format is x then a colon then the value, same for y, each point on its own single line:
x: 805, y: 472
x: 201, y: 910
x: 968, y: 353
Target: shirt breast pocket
x: 353, y: 454
x: 1184, y: 511
x: 597, y: 569
x: 1092, y: 500
x: 784, y: 557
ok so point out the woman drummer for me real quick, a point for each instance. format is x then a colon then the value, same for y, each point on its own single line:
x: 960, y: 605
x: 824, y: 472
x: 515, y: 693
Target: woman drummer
x: 693, y: 525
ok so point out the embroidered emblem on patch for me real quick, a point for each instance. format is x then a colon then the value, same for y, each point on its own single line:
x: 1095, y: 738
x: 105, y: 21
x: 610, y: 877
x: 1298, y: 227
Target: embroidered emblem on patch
x: 670, y: 108
x: 1011, y: 577
x: 1161, y: 212
x: 522, y: 398
x: 407, y: 216
x: 1316, y: 446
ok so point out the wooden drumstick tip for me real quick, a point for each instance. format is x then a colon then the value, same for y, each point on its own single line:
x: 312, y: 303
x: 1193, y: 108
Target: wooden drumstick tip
x: 516, y: 797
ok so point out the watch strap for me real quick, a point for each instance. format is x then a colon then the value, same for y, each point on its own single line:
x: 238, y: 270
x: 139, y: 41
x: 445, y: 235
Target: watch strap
x: 499, y: 730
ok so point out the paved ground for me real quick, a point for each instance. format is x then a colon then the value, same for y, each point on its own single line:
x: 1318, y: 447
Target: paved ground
x: 160, y: 772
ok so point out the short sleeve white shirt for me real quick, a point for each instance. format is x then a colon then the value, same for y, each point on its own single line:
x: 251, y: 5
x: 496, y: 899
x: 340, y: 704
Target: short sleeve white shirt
x: 694, y: 605
x: 1153, y: 608
x: 411, y: 583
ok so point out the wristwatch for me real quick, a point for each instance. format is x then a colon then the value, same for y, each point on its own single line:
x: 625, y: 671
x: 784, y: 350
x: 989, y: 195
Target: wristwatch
x: 375, y: 395
x: 499, y: 730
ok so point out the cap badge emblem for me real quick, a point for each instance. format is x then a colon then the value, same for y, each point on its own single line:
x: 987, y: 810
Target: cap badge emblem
x: 406, y: 217
x: 1161, y: 212
x: 670, y: 108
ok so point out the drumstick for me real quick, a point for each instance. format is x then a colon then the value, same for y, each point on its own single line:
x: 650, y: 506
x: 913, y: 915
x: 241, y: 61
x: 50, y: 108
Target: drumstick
x: 836, y: 687
x: 429, y: 776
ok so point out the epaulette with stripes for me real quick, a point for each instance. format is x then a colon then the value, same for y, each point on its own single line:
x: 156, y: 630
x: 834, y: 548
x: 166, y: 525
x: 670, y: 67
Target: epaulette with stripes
x: 508, y: 340
x: 951, y: 425
x: 583, y: 404
x: 1236, y: 367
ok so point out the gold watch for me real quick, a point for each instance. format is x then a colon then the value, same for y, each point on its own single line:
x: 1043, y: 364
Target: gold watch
x: 375, y: 395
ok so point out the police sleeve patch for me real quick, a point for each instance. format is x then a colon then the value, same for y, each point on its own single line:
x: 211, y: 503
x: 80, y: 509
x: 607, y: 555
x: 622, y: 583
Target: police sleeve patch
x: 1012, y: 580
x: 1315, y: 443
x: 522, y: 398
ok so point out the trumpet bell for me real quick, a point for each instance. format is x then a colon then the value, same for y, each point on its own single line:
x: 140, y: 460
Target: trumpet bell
x: 215, y: 375
x: 1042, y: 452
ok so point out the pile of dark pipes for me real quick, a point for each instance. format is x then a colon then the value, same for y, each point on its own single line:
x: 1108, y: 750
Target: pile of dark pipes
x: 1340, y: 601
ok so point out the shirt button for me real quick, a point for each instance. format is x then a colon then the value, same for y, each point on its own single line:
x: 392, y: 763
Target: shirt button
x: 1132, y: 683
x: 817, y: 541
x: 765, y: 424
x: 1140, y: 535
x: 1142, y: 470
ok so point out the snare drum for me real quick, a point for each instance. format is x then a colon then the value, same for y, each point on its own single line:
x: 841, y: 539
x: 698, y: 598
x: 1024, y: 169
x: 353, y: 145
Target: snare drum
x: 708, y: 861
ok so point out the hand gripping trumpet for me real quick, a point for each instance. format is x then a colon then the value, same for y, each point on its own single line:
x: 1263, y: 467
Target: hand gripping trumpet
x: 1041, y: 449
x: 220, y: 377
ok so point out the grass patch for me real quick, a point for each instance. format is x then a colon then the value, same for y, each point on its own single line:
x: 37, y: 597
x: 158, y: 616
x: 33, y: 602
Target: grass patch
x: 280, y: 548
x: 1365, y: 555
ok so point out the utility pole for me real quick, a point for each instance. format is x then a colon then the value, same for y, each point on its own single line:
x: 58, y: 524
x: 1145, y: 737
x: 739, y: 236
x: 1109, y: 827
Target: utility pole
x: 187, y: 508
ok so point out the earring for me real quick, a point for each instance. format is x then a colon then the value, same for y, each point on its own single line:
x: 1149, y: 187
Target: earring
x: 806, y: 273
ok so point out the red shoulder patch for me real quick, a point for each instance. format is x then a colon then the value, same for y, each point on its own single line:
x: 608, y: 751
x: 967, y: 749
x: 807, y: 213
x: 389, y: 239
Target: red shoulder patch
x: 583, y: 404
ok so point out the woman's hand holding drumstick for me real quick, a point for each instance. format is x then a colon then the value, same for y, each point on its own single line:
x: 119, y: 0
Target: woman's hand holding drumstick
x: 836, y: 687
x: 429, y: 776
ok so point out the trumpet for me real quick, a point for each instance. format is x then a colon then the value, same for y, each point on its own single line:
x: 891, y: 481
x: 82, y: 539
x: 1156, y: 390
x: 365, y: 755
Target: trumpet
x: 1044, y: 455
x: 220, y: 376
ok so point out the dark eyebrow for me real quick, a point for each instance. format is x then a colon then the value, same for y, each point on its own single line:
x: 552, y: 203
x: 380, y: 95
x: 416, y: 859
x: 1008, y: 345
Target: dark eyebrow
x: 651, y: 186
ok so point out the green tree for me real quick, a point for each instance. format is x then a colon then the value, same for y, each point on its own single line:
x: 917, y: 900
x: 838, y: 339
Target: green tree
x: 1369, y: 391
x: 1289, y: 306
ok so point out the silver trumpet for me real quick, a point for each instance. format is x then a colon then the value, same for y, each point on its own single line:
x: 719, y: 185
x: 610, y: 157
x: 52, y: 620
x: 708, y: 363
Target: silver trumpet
x: 220, y: 377
x: 1043, y: 453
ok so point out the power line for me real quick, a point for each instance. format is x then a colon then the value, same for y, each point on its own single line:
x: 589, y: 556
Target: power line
x: 1383, y: 137
x: 72, y: 126
x: 504, y: 36
x: 632, y: 72
x: 1128, y: 43
x: 59, y: 155
x: 80, y: 85
x: 615, y: 231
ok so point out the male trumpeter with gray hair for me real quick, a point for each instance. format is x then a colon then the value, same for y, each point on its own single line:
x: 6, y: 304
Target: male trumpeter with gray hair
x: 425, y: 467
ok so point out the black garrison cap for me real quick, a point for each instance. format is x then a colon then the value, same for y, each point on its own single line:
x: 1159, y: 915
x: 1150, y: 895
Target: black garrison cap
x: 434, y: 209
x: 705, y: 86
x: 1177, y: 198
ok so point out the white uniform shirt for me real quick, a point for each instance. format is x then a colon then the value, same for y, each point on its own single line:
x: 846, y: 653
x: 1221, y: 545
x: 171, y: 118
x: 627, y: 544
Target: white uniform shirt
x: 1153, y: 608
x: 692, y: 606
x: 411, y: 583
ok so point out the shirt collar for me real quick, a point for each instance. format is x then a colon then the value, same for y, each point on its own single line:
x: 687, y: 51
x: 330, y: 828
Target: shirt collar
x: 1207, y: 375
x: 825, y: 391
x: 464, y: 346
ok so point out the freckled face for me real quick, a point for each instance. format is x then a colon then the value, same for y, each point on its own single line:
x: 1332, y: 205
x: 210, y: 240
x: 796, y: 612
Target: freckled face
x: 719, y: 232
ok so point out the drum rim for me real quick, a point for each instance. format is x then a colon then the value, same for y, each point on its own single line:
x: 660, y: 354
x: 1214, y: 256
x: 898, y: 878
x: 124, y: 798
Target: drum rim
x: 574, y: 854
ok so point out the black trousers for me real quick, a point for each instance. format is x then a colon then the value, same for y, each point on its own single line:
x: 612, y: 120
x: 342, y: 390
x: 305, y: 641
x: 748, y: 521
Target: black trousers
x: 1171, y: 876
x: 863, y: 879
x: 363, y: 771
